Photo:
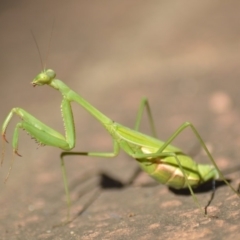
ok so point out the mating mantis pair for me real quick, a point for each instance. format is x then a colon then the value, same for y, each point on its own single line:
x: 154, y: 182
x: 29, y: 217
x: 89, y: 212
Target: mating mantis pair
x: 167, y: 164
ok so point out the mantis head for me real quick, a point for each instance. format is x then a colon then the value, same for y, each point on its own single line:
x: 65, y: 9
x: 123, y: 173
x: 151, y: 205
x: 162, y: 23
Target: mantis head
x: 45, y: 77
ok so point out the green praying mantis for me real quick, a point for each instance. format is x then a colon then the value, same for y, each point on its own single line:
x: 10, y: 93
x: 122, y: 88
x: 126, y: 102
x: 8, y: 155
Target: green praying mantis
x: 164, y: 162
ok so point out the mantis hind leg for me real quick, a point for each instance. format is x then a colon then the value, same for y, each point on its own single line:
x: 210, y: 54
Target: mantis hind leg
x: 174, y: 135
x: 183, y: 127
x: 145, y: 104
x: 160, y: 153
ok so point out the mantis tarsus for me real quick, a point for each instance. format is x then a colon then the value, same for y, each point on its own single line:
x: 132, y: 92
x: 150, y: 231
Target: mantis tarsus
x: 162, y: 161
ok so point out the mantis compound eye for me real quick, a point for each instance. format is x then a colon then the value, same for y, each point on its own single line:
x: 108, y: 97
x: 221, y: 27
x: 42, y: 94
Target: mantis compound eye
x: 44, y: 77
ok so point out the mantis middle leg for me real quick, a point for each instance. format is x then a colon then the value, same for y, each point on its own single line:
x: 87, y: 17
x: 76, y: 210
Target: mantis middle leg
x: 144, y: 104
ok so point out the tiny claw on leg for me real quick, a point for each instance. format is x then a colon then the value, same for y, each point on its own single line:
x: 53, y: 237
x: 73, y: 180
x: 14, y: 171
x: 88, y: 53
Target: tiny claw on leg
x: 10, y: 168
x: 4, y: 137
x: 16, y: 152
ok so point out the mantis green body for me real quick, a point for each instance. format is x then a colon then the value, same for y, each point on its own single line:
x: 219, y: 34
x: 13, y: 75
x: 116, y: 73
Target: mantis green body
x: 162, y: 161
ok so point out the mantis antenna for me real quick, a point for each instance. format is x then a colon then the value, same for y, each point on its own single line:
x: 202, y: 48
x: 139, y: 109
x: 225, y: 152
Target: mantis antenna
x: 48, y: 49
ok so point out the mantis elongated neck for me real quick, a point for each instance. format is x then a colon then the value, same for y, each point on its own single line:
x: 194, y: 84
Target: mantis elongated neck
x: 73, y: 96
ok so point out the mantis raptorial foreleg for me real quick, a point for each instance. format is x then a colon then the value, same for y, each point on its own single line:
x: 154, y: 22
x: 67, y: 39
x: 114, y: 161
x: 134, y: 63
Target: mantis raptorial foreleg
x: 164, y: 162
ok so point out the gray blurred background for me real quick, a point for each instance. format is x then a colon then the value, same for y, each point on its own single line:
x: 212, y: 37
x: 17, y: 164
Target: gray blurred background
x: 182, y: 55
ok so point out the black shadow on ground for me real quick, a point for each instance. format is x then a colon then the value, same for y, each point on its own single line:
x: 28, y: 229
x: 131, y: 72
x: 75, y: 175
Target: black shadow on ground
x: 107, y: 182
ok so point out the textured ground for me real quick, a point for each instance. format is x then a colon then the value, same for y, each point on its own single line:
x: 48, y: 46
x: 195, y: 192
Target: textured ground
x: 184, y: 56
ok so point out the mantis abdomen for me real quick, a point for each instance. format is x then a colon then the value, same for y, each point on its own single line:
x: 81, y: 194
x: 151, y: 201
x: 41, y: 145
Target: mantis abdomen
x: 166, y: 171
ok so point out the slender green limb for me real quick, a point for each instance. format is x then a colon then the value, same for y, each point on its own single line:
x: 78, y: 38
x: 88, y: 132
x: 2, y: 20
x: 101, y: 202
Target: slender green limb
x: 43, y: 134
x: 183, y: 127
x: 144, y: 104
x: 65, y: 182
x: 188, y: 184
x: 93, y: 154
x: 161, y: 154
x: 40, y: 132
x: 186, y: 178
